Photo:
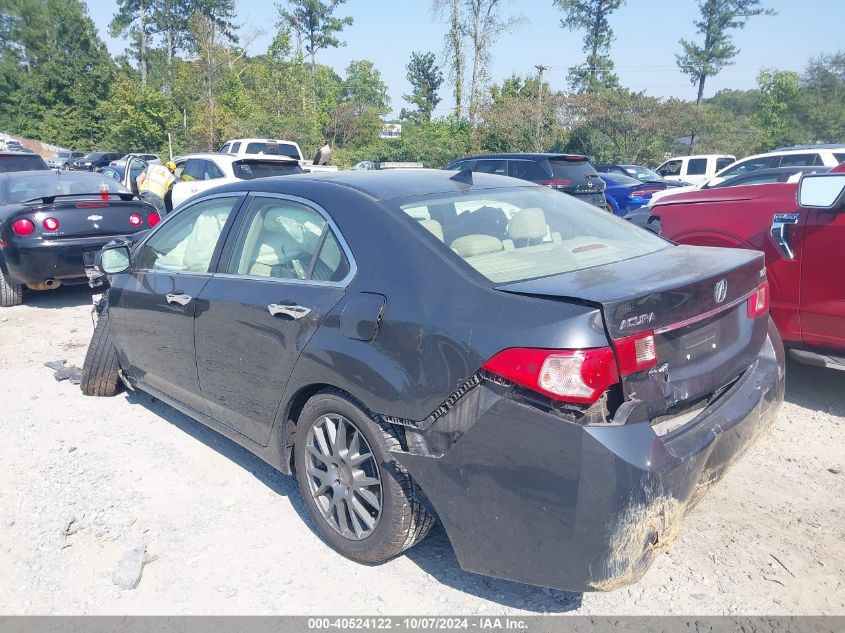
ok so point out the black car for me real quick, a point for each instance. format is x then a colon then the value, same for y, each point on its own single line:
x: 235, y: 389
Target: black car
x: 52, y: 224
x: 642, y: 216
x: 12, y: 161
x: 90, y: 162
x: 557, y: 399
x: 569, y: 173
x: 643, y: 174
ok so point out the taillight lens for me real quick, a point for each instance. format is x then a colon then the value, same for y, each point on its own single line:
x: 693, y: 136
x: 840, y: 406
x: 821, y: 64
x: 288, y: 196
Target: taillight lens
x: 636, y: 353
x: 758, y: 303
x: 578, y: 376
x: 153, y: 218
x: 50, y: 224
x: 135, y: 219
x: 557, y: 183
x: 23, y: 227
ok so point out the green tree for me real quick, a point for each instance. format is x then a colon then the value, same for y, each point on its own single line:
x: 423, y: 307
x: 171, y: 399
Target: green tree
x: 170, y: 19
x: 315, y: 24
x: 357, y: 118
x: 778, y: 98
x: 425, y: 78
x: 718, y: 19
x: 454, y: 49
x: 133, y: 18
x: 136, y: 117
x: 591, y: 16
x: 821, y: 103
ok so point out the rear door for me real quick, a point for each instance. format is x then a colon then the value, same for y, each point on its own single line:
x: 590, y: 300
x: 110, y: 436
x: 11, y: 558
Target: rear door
x: 283, y: 269
x: 152, y: 306
x: 822, y: 285
x: 198, y: 175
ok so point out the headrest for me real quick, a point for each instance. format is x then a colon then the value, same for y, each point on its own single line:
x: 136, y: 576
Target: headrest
x: 290, y: 221
x: 434, y: 227
x: 528, y: 224
x: 472, y: 245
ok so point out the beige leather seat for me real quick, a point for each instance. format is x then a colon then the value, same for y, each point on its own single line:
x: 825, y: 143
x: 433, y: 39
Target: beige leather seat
x: 472, y: 245
x: 284, y: 235
x: 434, y: 227
x: 528, y: 226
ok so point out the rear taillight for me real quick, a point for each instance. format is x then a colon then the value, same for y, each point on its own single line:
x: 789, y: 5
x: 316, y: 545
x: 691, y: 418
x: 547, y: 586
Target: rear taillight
x: 636, y: 353
x: 642, y: 193
x: 50, y: 224
x: 23, y: 227
x: 153, y: 218
x: 135, y: 219
x: 557, y: 183
x: 578, y: 376
x: 758, y: 303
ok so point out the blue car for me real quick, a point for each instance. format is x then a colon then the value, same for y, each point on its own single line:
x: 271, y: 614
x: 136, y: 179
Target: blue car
x: 623, y: 194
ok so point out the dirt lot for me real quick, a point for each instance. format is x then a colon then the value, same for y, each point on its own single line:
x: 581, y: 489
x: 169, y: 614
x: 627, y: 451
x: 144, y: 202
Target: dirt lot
x: 83, y: 480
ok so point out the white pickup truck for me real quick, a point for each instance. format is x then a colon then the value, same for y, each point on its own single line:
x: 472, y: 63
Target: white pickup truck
x: 276, y: 147
x: 696, y: 169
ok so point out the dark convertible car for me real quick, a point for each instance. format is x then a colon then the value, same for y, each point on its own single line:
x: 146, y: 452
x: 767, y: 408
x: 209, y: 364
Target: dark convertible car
x: 52, y: 224
x: 553, y: 385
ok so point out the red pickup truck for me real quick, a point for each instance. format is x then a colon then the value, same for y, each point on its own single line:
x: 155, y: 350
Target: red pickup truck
x: 800, y: 227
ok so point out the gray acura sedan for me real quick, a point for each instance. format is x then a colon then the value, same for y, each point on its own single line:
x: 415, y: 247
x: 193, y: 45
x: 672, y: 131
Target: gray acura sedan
x: 551, y: 384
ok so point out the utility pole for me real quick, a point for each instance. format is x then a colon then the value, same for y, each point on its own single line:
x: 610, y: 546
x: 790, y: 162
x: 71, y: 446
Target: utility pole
x: 541, y: 68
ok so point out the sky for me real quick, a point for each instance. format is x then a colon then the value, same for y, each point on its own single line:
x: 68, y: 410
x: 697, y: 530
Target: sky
x: 647, y: 34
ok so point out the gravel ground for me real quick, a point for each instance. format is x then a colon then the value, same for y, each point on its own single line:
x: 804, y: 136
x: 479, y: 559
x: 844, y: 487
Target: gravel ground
x: 85, y: 482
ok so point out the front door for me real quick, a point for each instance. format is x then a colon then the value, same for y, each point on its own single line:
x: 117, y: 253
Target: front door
x: 822, y: 282
x: 152, y: 306
x: 286, y: 270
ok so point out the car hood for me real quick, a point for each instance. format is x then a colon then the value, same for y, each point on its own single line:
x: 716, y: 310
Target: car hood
x: 724, y: 194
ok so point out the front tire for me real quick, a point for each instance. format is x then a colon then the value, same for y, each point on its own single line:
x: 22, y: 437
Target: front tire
x: 362, y: 502
x: 100, y: 371
x: 10, y: 294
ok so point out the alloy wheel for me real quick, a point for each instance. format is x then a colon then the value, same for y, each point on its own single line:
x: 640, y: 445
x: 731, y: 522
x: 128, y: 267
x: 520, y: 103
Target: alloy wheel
x: 343, y: 476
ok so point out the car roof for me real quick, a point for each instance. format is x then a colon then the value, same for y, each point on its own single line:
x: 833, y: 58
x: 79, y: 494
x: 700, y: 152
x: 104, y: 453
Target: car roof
x: 525, y: 156
x: 700, y: 156
x: 786, y: 152
x: 387, y: 184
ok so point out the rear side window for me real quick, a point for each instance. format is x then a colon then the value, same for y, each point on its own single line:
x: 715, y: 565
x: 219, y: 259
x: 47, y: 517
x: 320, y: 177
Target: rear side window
x: 840, y: 158
x: 225, y: 148
x: 282, y: 239
x: 236, y: 147
x: 249, y: 169
x: 514, y: 234
x: 574, y: 170
x: 747, y: 166
x: 697, y: 167
x: 21, y: 163
x: 527, y: 170
x: 212, y: 171
x: 721, y: 163
x: 460, y: 165
x: 499, y: 167
x: 800, y: 160
x: 194, y: 170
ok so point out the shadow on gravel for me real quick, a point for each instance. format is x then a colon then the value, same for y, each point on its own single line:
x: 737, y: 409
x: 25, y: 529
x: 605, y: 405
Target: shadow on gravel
x: 61, y: 297
x: 815, y: 388
x: 436, y: 557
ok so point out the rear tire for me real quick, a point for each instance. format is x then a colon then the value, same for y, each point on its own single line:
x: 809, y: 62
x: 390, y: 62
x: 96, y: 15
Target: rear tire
x: 10, y: 294
x: 100, y: 371
x: 372, y: 534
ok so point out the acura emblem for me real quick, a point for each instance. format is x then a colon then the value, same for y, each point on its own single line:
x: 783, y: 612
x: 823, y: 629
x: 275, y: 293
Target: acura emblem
x: 720, y: 290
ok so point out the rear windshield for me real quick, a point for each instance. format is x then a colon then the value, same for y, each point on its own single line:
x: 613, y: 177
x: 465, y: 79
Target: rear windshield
x: 275, y: 149
x: 21, y: 163
x: 515, y: 234
x: 571, y: 169
x: 619, y: 179
x: 25, y: 188
x: 249, y: 169
x: 95, y: 156
x: 642, y: 173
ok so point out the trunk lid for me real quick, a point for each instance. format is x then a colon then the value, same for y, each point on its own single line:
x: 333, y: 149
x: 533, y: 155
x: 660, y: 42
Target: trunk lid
x: 694, y: 300
x: 87, y: 218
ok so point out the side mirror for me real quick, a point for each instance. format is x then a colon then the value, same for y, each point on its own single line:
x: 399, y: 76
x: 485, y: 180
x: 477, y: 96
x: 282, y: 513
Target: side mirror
x: 821, y: 191
x: 112, y: 259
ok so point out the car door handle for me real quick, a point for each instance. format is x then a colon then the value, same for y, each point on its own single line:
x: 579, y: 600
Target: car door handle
x: 293, y: 311
x: 179, y: 299
x: 779, y: 223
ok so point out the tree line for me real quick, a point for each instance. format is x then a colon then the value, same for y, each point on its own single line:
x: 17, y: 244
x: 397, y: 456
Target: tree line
x: 186, y: 72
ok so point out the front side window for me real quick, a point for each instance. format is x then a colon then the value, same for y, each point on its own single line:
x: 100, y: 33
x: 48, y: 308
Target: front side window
x: 522, y: 233
x: 194, y: 170
x: 670, y: 168
x: 186, y: 242
x: 840, y: 158
x: 499, y: 167
x: 723, y: 162
x: 282, y: 239
x: 697, y: 167
x: 212, y: 171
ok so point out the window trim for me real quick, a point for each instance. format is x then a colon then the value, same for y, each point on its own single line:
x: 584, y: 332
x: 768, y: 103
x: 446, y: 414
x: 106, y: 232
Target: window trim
x: 228, y: 249
x: 240, y: 197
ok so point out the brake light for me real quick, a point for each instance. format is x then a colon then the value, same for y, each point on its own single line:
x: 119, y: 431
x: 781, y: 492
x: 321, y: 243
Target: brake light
x: 642, y: 193
x: 557, y: 183
x: 636, y: 353
x: 50, y: 224
x: 135, y: 219
x: 153, y: 218
x: 758, y: 303
x: 23, y: 227
x: 578, y: 376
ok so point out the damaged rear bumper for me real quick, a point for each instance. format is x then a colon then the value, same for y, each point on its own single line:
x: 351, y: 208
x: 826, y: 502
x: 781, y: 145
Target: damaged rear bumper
x: 529, y: 497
